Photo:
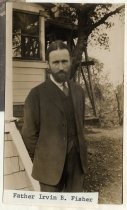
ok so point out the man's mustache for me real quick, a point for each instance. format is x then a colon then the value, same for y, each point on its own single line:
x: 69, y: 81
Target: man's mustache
x: 61, y: 71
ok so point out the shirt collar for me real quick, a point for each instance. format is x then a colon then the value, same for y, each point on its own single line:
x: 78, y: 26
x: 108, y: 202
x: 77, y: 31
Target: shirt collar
x: 59, y: 85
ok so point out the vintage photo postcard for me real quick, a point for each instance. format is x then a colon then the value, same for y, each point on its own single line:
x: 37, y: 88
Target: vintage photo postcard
x: 64, y: 104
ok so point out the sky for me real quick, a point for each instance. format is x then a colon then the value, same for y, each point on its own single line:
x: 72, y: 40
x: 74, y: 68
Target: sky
x: 113, y: 60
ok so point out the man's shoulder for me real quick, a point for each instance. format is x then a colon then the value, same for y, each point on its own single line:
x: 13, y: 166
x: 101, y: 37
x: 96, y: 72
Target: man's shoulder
x: 39, y: 87
x: 35, y: 91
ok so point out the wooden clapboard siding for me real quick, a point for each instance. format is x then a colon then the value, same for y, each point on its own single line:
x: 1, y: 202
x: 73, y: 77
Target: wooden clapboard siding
x: 27, y: 71
x: 30, y: 64
x: 19, y: 99
x: 24, y: 85
x: 20, y: 95
x: 26, y: 75
x: 22, y: 91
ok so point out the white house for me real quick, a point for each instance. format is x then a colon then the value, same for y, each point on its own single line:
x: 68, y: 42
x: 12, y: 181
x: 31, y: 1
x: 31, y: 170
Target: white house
x: 22, y: 73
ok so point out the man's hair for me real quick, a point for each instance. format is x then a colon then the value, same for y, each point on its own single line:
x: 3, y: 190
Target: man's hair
x: 56, y: 45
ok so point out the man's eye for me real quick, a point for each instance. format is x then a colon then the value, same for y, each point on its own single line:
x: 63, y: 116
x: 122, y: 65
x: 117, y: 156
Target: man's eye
x: 65, y: 62
x: 56, y: 62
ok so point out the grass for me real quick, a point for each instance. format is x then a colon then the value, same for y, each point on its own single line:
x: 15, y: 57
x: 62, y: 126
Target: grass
x: 104, y: 164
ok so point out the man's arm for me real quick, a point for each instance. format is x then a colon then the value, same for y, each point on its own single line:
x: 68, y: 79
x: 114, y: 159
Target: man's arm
x: 30, y: 130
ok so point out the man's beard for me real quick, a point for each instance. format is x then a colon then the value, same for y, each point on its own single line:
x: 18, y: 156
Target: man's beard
x: 61, y: 76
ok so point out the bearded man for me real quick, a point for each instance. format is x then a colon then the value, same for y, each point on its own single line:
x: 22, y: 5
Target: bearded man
x: 53, y: 126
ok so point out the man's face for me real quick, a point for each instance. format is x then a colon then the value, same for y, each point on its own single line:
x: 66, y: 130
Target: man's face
x: 60, y: 63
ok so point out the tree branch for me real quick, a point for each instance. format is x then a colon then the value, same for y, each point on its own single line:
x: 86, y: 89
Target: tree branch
x: 102, y: 20
x: 83, y: 7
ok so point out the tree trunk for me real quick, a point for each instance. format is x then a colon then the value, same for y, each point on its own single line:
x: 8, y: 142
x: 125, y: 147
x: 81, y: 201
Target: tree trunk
x: 81, y: 43
x: 119, y: 111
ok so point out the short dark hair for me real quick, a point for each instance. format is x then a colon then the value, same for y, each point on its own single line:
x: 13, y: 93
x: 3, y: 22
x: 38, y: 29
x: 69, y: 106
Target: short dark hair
x: 55, y: 45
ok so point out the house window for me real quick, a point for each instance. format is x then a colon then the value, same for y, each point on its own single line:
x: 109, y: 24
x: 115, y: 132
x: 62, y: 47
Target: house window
x: 26, y: 36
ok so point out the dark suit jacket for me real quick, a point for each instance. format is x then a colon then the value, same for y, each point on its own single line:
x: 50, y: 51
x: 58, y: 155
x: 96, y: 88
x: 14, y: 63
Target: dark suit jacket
x: 45, y: 130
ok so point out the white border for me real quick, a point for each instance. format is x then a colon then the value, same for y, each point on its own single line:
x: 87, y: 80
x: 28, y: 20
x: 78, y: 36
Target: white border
x: 125, y: 116
x: 100, y: 206
x: 76, y: 1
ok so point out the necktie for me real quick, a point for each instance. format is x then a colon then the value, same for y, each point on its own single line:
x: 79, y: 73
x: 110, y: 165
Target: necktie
x: 65, y: 89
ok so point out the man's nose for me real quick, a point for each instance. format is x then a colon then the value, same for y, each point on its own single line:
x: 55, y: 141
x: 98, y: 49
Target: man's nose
x: 60, y: 66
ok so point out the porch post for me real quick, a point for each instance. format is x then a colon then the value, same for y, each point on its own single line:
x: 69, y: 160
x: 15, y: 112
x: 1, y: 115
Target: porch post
x: 9, y: 71
x: 42, y: 37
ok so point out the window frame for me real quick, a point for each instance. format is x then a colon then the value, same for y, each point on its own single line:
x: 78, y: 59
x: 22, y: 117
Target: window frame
x: 33, y: 10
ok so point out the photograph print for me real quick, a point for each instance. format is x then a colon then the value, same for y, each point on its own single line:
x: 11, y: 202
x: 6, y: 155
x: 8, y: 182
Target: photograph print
x: 64, y: 98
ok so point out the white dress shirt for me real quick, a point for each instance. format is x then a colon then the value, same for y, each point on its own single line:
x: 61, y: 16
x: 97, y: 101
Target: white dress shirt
x: 59, y: 85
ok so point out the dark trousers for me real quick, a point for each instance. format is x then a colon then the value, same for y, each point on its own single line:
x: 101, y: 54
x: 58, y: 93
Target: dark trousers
x: 72, y: 177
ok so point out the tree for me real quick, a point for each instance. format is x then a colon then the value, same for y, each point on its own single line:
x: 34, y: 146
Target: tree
x: 87, y: 18
x: 119, y: 92
x: 106, y: 103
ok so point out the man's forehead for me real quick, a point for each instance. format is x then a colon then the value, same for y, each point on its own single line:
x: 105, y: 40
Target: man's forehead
x: 59, y: 54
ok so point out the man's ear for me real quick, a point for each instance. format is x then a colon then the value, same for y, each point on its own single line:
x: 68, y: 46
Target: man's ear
x: 47, y: 67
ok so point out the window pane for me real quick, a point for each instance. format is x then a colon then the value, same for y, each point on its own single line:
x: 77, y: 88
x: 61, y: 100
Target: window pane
x: 25, y: 35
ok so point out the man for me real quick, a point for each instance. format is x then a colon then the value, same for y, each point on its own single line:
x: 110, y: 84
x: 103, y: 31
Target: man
x: 53, y: 126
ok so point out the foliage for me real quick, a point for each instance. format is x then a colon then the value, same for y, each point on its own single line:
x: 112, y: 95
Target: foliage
x: 105, y: 99
x: 104, y: 96
x: 107, y: 106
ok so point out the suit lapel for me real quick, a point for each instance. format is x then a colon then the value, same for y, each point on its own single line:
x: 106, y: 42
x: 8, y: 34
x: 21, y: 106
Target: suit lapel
x: 74, y: 96
x: 52, y: 92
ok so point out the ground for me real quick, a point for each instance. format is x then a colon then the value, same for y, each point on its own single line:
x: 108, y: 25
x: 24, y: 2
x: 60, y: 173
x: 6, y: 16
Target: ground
x: 104, y: 164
